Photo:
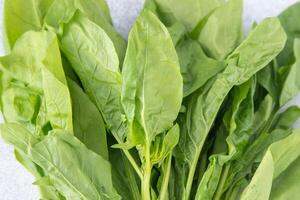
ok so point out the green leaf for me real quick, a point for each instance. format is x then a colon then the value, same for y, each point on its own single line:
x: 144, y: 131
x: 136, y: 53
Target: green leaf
x: 261, y: 183
x: 216, y: 38
x: 286, y: 119
x: 21, y: 16
x: 89, y: 126
x: 93, y: 58
x: 33, y: 77
x: 188, y: 12
x: 164, y: 145
x: 30, y: 54
x: 58, y: 150
x: 196, y: 68
x: 152, y: 84
x: 62, y: 11
x: 244, y: 62
x: 267, y: 78
x: 288, y: 19
x: 238, y: 122
x: 291, y: 85
x: 56, y: 92
x: 280, y: 162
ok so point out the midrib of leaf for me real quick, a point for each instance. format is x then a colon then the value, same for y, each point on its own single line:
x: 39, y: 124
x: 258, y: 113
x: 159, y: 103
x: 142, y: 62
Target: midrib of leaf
x: 148, y: 167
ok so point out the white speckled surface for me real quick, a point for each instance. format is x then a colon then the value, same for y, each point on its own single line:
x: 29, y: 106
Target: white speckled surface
x: 15, y: 181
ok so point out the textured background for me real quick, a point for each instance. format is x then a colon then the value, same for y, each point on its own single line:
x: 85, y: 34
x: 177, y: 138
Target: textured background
x: 15, y: 181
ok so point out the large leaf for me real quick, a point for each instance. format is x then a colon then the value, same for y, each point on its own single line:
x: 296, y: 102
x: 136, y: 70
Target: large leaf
x: 71, y: 167
x: 238, y: 122
x: 34, y: 87
x: 217, y: 39
x: 275, y: 173
x: 62, y: 11
x: 288, y: 19
x: 21, y: 16
x: 189, y: 12
x: 245, y: 61
x: 95, y: 61
x: 89, y: 126
x: 196, y: 68
x: 291, y: 85
x: 152, y: 83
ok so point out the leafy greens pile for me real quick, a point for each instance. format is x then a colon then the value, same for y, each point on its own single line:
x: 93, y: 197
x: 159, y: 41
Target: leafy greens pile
x: 188, y: 108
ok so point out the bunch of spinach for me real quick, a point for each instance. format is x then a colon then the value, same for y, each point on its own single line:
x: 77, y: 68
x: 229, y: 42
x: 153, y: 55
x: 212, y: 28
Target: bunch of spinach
x: 188, y: 108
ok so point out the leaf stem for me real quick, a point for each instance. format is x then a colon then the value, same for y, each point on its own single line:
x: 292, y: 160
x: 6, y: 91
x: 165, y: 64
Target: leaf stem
x: 130, y: 159
x: 191, y: 174
x: 163, y: 194
x: 147, y: 174
x: 132, y: 180
x: 219, y: 191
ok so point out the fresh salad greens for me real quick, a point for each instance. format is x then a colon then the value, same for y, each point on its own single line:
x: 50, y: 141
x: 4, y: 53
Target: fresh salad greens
x: 190, y: 107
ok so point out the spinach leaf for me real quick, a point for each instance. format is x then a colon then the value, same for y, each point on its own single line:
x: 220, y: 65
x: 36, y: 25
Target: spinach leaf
x: 32, y: 82
x: 151, y: 92
x: 214, y: 35
x: 189, y: 12
x: 151, y: 100
x: 82, y: 180
x: 21, y: 16
x: 95, y: 61
x: 97, y: 65
x: 291, y: 85
x: 196, y: 68
x: 280, y: 163
x: 242, y: 64
x: 89, y: 126
x: 288, y: 19
x: 62, y: 11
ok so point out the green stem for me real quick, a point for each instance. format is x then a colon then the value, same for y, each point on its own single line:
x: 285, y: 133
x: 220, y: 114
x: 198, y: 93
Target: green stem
x: 132, y: 180
x: 219, y: 191
x: 130, y: 159
x: 191, y: 174
x: 163, y: 195
x: 146, y: 186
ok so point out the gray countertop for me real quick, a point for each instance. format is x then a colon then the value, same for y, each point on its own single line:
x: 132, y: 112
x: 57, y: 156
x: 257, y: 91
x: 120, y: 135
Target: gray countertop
x: 15, y: 181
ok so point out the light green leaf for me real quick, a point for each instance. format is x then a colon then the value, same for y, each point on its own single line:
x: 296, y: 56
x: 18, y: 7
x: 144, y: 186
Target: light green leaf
x: 261, y: 183
x: 238, y: 121
x: 189, y: 12
x: 286, y: 119
x: 164, y: 145
x: 62, y: 11
x: 89, y: 127
x: 152, y: 83
x: 95, y: 61
x: 267, y: 78
x: 58, y: 150
x: 288, y: 19
x: 217, y: 39
x: 291, y: 86
x: 244, y: 62
x: 56, y: 92
x: 26, y: 97
x: 280, y: 162
x: 196, y: 68
x: 21, y: 16
x: 30, y: 54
